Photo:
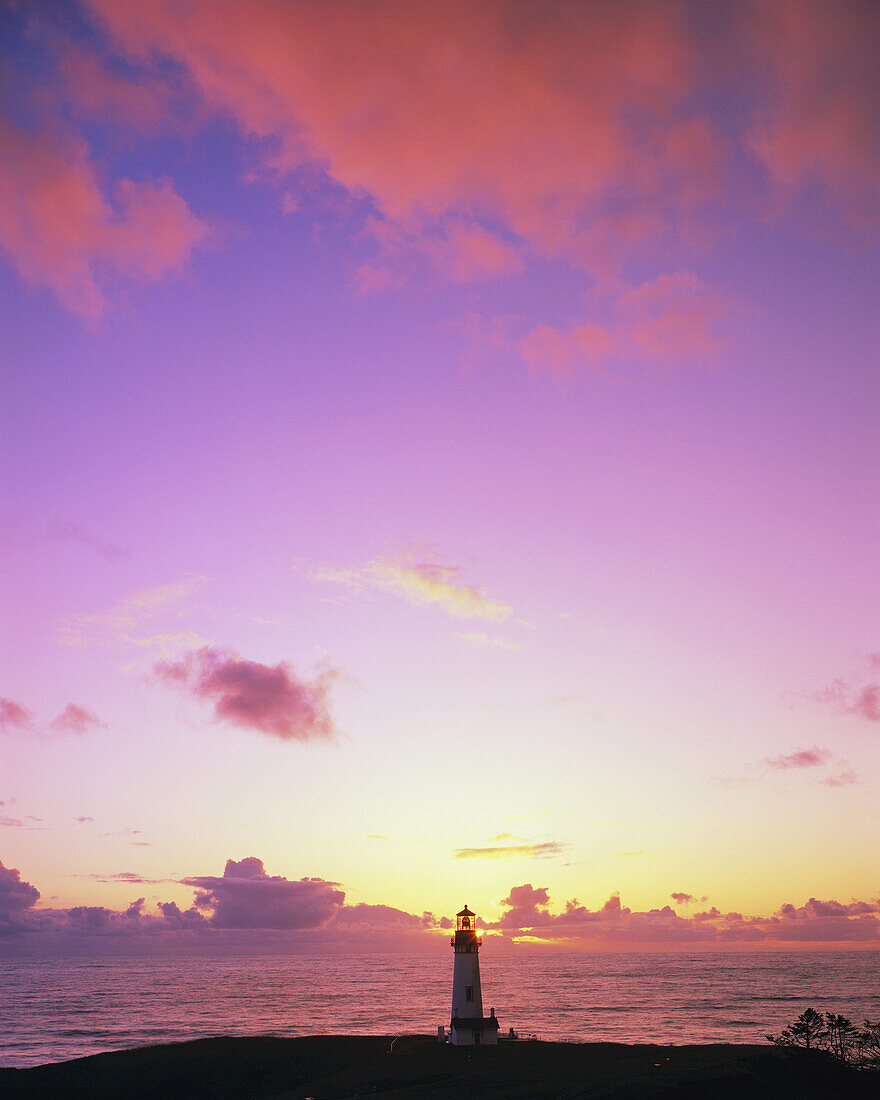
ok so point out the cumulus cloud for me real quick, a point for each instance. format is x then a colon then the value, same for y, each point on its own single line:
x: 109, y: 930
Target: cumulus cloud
x: 362, y: 918
x: 246, y: 907
x: 16, y: 898
x: 613, y: 925
x: 246, y: 897
x: 423, y: 580
x: 270, y: 699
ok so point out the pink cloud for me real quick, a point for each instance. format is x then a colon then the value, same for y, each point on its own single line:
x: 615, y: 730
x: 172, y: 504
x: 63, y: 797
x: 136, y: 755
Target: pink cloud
x: 817, y: 122
x: 16, y: 898
x: 803, y: 758
x: 447, y: 110
x: 246, y: 897
x: 67, y: 531
x: 371, y: 277
x: 844, y: 778
x: 562, y: 352
x: 866, y: 703
x: 75, y: 719
x: 383, y: 918
x: 61, y: 231
x: 245, y: 905
x: 15, y: 718
x: 271, y: 699
x: 863, y: 702
x: 469, y: 252
x: 94, y: 89
x: 613, y: 924
x: 673, y: 319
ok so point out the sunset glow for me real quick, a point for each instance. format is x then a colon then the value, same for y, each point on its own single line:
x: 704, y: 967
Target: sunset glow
x: 440, y: 458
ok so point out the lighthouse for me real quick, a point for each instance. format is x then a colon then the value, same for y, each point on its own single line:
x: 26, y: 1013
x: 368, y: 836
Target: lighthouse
x: 468, y: 1027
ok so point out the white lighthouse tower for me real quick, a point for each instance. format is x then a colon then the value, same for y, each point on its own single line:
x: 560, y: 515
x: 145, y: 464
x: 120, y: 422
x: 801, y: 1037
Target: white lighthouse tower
x: 468, y: 1027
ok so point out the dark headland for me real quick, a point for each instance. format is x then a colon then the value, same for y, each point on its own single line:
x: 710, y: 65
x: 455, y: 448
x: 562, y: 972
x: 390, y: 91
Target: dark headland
x: 325, y: 1067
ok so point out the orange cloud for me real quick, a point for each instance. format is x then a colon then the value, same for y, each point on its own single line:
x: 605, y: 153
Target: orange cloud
x: 671, y: 319
x: 818, y: 123
x: 549, y: 120
x: 61, y: 231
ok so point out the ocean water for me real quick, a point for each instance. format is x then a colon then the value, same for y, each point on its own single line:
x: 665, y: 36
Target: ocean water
x: 55, y: 1009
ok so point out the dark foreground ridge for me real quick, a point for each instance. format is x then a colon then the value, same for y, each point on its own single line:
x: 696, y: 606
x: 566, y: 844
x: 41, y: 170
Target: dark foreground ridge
x: 336, y: 1066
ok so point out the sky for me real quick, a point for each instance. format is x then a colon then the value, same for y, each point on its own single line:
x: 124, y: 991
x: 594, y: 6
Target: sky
x: 439, y: 465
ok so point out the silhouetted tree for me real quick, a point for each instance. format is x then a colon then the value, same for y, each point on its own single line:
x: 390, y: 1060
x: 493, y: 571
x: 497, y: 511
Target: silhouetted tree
x: 837, y: 1035
x: 808, y: 1030
x: 840, y: 1037
x: 868, y: 1046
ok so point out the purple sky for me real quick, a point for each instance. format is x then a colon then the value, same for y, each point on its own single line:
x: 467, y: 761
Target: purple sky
x: 440, y: 453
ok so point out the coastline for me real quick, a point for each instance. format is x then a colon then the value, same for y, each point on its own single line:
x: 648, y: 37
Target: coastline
x: 337, y: 1066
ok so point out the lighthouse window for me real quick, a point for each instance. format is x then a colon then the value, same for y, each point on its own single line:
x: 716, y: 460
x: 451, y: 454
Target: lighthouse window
x: 468, y: 992
x: 465, y: 923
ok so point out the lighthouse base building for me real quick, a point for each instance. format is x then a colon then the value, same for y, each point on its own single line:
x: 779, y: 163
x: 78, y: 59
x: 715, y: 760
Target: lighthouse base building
x: 468, y: 1026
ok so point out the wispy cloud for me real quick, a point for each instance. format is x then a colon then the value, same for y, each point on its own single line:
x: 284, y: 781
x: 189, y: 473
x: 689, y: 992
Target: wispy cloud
x: 844, y: 778
x: 118, y: 622
x: 125, y: 876
x: 485, y: 641
x: 860, y: 698
x: 542, y: 850
x: 29, y: 821
x: 423, y: 580
x: 67, y: 531
x: 814, y: 761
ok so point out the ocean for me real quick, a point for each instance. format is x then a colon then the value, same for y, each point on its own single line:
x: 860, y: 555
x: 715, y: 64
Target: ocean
x: 55, y: 1009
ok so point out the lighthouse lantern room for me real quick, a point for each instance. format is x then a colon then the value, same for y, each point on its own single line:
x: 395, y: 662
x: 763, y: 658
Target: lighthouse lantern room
x: 469, y: 1027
